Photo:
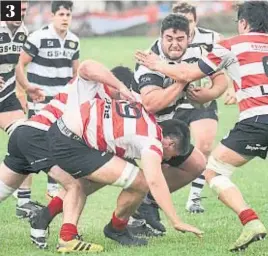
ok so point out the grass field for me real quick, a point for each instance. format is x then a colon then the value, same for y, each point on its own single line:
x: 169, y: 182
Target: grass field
x: 221, y: 226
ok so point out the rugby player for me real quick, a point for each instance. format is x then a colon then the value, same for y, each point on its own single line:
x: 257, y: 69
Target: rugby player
x: 245, y: 58
x: 161, y: 95
x: 203, y: 122
x: 28, y: 150
x: 13, y: 34
x: 51, y: 55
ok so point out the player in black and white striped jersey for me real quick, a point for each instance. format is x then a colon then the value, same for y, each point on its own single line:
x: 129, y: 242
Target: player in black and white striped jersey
x: 13, y: 35
x: 161, y: 95
x: 51, y: 55
x: 202, y: 122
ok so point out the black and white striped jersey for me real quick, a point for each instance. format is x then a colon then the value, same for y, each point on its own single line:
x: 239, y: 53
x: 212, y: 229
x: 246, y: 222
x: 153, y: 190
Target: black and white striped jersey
x: 51, y: 66
x: 202, y: 42
x: 10, y: 47
x: 145, y: 77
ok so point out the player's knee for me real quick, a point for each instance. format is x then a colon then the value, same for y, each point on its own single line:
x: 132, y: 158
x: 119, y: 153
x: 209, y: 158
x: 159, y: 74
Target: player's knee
x: 127, y: 176
x: 220, y: 167
x: 205, y: 148
x: 220, y: 183
x: 5, y: 191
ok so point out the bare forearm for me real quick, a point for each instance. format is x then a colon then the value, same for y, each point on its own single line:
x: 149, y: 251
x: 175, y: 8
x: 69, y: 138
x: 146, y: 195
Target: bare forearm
x: 219, y: 86
x: 21, y: 78
x: 95, y: 71
x: 183, y: 72
x: 157, y: 100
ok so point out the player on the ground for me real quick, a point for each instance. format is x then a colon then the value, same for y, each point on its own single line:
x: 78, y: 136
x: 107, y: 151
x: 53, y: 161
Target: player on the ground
x: 51, y: 55
x: 245, y: 58
x: 203, y: 122
x: 161, y: 95
x: 13, y: 35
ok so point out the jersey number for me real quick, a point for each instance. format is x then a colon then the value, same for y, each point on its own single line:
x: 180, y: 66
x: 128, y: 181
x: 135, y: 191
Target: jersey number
x: 265, y: 64
x: 128, y: 110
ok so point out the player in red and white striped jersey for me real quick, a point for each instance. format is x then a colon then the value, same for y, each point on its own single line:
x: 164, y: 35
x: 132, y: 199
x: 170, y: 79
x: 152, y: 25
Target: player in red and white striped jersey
x: 28, y: 150
x: 127, y: 131
x: 245, y: 57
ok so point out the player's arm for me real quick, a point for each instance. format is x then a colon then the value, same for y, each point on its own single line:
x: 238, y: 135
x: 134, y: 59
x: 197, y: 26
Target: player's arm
x: 151, y: 164
x: 94, y: 71
x: 29, y: 51
x: 220, y: 57
x: 154, y: 96
x: 75, y: 60
x: 203, y: 94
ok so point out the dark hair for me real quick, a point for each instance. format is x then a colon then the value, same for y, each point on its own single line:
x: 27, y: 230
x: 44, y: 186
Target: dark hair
x: 55, y: 5
x: 184, y: 7
x: 256, y: 14
x: 124, y: 74
x: 176, y: 22
x: 179, y: 132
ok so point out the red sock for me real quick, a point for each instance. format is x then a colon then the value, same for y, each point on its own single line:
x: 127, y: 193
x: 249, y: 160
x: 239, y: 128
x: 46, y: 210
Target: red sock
x: 68, y: 232
x: 247, y: 216
x: 119, y: 224
x: 55, y: 206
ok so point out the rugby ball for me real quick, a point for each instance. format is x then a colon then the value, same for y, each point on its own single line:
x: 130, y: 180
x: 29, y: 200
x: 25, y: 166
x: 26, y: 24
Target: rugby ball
x: 203, y: 83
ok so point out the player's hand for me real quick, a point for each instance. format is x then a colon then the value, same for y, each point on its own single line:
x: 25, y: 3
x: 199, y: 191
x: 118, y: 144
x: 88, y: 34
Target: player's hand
x: 183, y: 227
x: 200, y: 95
x: 125, y: 94
x: 2, y: 82
x: 230, y: 98
x: 149, y: 60
x: 36, y: 93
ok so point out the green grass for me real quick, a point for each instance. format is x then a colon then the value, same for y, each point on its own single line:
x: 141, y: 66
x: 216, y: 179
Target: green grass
x: 221, y: 226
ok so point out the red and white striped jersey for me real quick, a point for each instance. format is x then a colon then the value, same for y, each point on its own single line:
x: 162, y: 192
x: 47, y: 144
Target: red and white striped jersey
x: 246, y: 59
x: 55, y: 108
x: 120, y: 127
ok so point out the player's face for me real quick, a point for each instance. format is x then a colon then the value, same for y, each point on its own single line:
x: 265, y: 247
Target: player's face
x: 16, y: 24
x: 62, y: 19
x: 192, y: 21
x: 242, y: 26
x: 169, y: 149
x: 174, y: 43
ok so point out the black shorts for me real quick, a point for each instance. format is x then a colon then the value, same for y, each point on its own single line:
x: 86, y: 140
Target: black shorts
x: 194, y: 114
x: 28, y: 151
x: 248, y: 137
x: 176, y: 161
x: 74, y: 156
x: 11, y: 103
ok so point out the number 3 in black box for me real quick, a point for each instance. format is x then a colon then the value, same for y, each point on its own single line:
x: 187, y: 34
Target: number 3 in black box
x: 10, y: 10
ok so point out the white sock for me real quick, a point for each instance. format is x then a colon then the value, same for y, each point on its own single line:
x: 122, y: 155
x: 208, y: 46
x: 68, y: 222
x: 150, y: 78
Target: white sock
x: 24, y: 196
x: 196, y: 188
x: 52, y: 188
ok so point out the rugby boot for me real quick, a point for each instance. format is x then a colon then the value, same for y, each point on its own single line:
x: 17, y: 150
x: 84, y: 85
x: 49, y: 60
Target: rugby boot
x: 78, y: 245
x: 140, y: 228
x: 194, y: 205
x: 39, y: 222
x: 123, y: 237
x: 253, y: 231
x: 150, y: 213
x: 27, y: 209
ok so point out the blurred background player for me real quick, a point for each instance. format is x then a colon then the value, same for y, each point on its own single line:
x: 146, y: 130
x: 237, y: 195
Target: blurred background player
x: 51, y: 55
x: 202, y: 122
x: 13, y: 35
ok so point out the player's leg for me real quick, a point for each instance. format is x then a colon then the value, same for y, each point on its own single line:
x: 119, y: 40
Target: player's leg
x: 120, y: 173
x: 179, y: 171
x: 11, y: 115
x: 234, y: 151
x: 203, y: 126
